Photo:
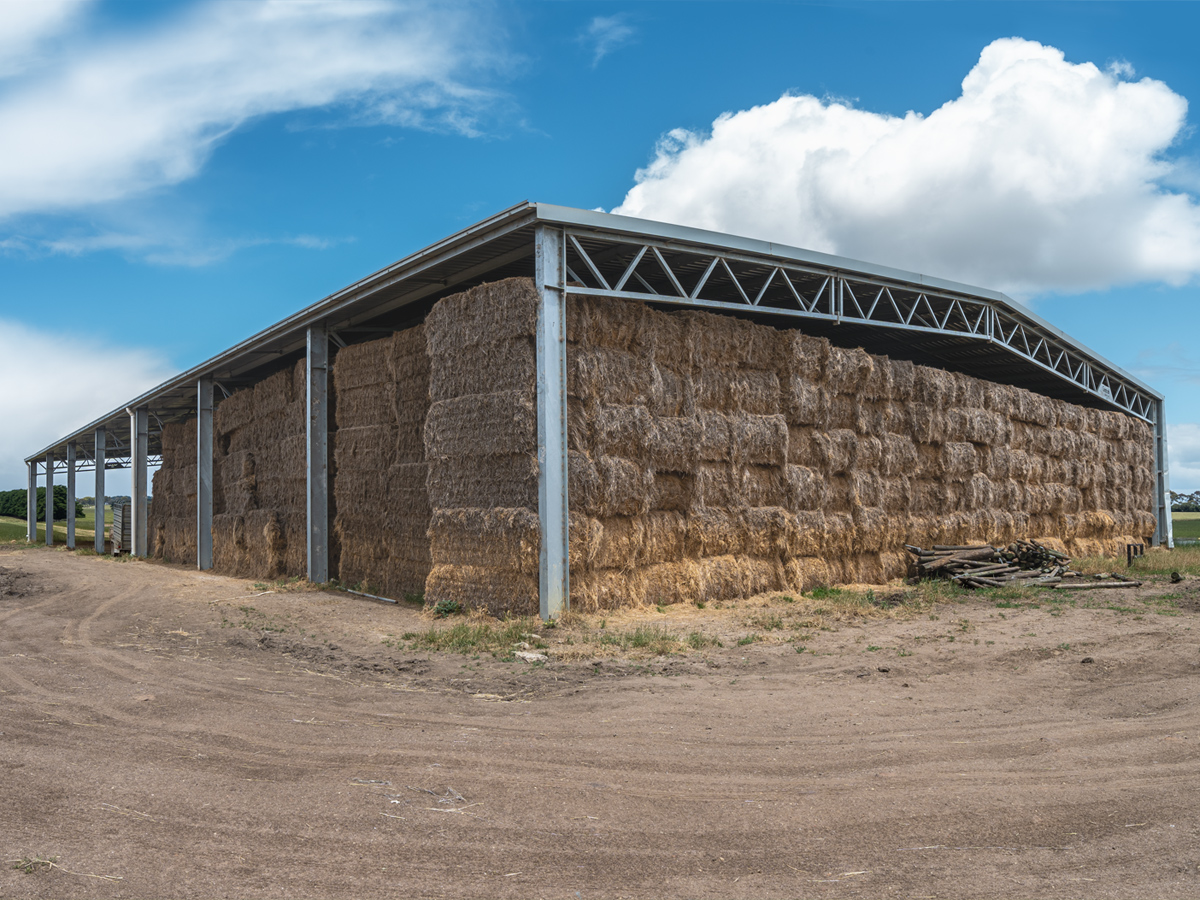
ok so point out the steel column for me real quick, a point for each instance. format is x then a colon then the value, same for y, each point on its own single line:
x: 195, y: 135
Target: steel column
x: 317, y: 474
x: 31, y: 503
x: 554, y: 572
x: 139, y: 429
x: 50, y: 499
x: 1164, y: 534
x: 70, y: 495
x: 204, y: 473
x: 101, y: 446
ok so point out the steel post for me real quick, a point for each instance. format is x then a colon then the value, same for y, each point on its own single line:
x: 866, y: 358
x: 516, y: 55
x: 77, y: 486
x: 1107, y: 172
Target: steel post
x: 1164, y: 532
x: 101, y: 445
x: 49, y: 505
x: 31, y: 503
x: 70, y: 495
x: 139, y: 433
x: 204, y: 473
x: 317, y: 468
x: 554, y: 573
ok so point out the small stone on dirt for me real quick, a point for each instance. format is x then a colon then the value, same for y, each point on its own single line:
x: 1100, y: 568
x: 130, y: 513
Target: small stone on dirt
x: 884, y: 669
x: 531, y: 657
x: 1176, y: 578
x: 1086, y: 660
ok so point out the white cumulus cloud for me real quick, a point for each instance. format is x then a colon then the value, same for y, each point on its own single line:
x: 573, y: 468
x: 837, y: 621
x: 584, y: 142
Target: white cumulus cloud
x: 1042, y: 175
x: 58, y: 389
x: 26, y: 26
x: 105, y: 117
x: 1183, y: 456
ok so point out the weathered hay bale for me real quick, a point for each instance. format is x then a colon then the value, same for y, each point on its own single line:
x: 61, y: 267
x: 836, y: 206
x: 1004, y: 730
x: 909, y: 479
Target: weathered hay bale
x: 502, y: 538
x: 506, y: 481
x: 805, y: 402
x: 673, y: 442
x: 625, y: 431
x: 609, y: 376
x: 496, y: 365
x: 758, y: 439
x: 672, y: 491
x: 493, y: 424
x: 807, y: 488
x: 490, y: 312
x: 498, y: 591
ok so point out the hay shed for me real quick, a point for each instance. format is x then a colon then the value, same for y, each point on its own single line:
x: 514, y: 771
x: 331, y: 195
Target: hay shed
x: 562, y: 407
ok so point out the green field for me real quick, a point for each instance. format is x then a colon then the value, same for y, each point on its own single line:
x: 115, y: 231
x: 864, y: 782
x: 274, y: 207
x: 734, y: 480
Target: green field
x: 14, y: 529
x: 1186, y: 526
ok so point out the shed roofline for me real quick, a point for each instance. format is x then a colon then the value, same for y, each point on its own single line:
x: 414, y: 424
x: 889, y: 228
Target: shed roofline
x: 523, y: 215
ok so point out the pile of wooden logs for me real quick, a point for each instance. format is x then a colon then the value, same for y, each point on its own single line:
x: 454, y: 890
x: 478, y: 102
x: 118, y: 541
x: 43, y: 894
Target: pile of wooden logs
x: 988, y: 566
x: 1021, y: 562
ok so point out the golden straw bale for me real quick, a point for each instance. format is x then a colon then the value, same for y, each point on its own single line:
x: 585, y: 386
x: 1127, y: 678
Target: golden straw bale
x: 625, y: 487
x: 622, y: 431
x: 664, y: 537
x: 804, y: 573
x: 958, y: 461
x: 714, y: 443
x: 506, y: 481
x: 619, y: 542
x: 768, y: 530
x: 501, y: 538
x: 362, y: 365
x: 496, y: 365
x: 848, y: 371
x: 896, y: 495
x: 899, y: 455
x: 674, y: 442
x: 672, y: 491
x: 671, y: 393
x: 933, y: 387
x: 805, y: 402
x: 678, y: 581
x: 805, y: 535
x: 978, y: 492
x: 599, y: 590
x: 498, y: 591
x: 836, y: 449
x: 606, y: 322
x: 490, y: 312
x: 803, y: 356
x: 234, y: 411
x: 874, y: 528
x: 364, y: 447
x: 482, y: 425
x: 583, y: 483
x: 808, y: 488
x: 610, y: 376
x: 866, y: 488
x: 714, y: 532
x: 758, y: 440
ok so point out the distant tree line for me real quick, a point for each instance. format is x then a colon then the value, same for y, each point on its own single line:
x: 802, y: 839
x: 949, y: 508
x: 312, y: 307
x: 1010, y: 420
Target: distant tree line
x: 12, y: 503
x: 1185, y: 502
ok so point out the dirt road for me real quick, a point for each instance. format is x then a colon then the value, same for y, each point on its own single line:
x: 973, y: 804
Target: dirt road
x: 166, y: 733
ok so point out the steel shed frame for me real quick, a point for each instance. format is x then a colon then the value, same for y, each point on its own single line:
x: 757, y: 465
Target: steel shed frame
x: 931, y: 321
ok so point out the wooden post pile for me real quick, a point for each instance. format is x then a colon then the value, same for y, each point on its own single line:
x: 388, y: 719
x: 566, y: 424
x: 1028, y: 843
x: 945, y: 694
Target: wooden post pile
x: 1027, y: 562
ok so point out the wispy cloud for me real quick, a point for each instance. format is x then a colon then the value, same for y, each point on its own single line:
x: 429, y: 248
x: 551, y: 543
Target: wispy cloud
x: 65, y: 394
x: 26, y: 28
x: 101, y: 119
x: 604, y: 34
x: 1043, y: 175
x: 160, y: 247
x: 1174, y: 362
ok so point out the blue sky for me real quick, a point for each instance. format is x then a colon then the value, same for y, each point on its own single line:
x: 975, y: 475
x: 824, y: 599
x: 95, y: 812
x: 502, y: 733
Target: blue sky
x: 175, y: 177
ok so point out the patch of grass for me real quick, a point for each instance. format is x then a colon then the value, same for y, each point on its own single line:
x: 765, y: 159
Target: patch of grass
x: 1157, y: 561
x: 767, y: 622
x: 824, y: 592
x: 871, y: 648
x: 445, y: 608
x: 749, y: 639
x: 31, y: 864
x: 1185, y: 526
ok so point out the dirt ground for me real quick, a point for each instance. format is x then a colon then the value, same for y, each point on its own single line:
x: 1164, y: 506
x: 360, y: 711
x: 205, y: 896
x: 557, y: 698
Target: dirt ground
x: 163, y: 735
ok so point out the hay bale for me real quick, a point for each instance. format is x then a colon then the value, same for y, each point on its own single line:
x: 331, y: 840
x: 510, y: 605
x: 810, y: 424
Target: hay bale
x: 498, y: 591
x: 501, y: 423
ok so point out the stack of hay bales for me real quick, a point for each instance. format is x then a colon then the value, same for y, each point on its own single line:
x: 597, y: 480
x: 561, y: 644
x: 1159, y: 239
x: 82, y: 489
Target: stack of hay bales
x: 259, y: 501
x: 481, y: 445
x: 172, y: 517
x: 712, y: 457
x: 382, y: 399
